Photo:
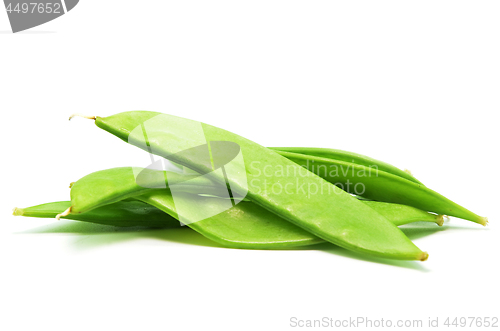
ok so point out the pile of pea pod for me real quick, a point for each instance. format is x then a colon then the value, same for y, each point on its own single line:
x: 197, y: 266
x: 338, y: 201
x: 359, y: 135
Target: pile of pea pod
x: 253, y: 215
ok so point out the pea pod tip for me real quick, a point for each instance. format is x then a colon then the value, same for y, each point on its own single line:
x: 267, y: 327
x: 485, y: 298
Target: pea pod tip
x: 423, y: 256
x: 440, y: 219
x: 17, y: 212
x: 484, y: 221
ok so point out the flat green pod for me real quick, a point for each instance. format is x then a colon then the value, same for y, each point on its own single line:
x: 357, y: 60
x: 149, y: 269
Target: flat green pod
x: 122, y: 213
x: 402, y: 214
x: 382, y: 186
x: 249, y: 226
x: 112, y: 185
x: 246, y: 225
x: 349, y: 157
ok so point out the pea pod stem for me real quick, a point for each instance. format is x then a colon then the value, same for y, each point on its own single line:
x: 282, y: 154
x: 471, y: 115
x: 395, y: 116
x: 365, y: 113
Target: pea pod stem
x: 81, y: 115
x: 18, y: 212
x: 64, y: 213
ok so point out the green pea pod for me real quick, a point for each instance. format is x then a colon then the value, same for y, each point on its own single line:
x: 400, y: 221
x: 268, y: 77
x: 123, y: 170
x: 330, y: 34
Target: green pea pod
x: 246, y: 225
x: 334, y: 216
x: 350, y: 157
x: 108, y: 186
x: 121, y: 213
x: 382, y: 186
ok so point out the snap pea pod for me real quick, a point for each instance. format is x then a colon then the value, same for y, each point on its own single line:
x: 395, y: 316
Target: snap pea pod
x: 244, y: 226
x: 383, y: 186
x: 350, y: 157
x: 249, y: 226
x: 336, y: 216
x: 108, y: 186
x: 121, y: 213
x: 120, y: 183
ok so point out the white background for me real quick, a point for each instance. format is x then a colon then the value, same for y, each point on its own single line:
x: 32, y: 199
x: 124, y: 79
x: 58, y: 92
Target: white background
x: 415, y: 84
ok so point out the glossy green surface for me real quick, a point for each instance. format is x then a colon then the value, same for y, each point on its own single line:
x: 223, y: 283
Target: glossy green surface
x: 332, y: 214
x: 350, y: 157
x: 382, y: 186
x: 121, y: 213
